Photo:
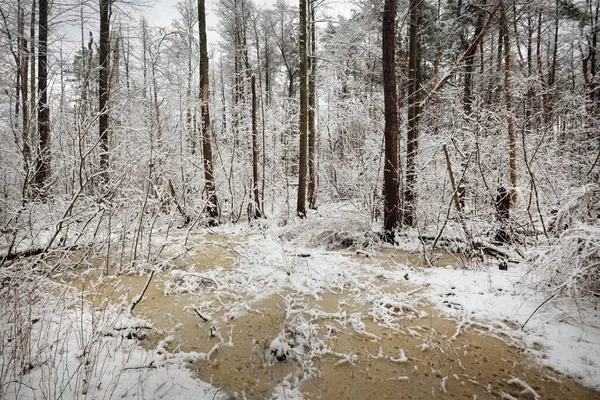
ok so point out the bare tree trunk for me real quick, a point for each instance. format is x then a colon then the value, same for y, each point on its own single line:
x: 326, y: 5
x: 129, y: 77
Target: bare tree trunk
x: 470, y: 64
x: 312, y: 149
x: 24, y: 75
x: 301, y: 204
x: 391, y: 195
x: 257, y: 207
x: 103, y: 82
x: 212, y: 206
x: 552, y: 78
x: 223, y: 102
x: 512, y: 144
x: 412, y: 144
x: 42, y: 172
x: 32, y: 72
x: 540, y: 66
x: 595, y: 84
x: 188, y: 97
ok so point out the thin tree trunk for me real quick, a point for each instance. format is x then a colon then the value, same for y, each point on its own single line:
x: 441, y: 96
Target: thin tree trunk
x: 470, y: 65
x: 32, y: 71
x: 312, y: 148
x: 212, y: 206
x: 540, y: 66
x: 103, y: 82
x: 412, y: 144
x: 552, y: 78
x: 391, y: 196
x: 24, y: 75
x: 43, y: 156
x: 257, y: 207
x: 302, y: 168
x: 512, y: 144
x: 223, y: 102
x: 188, y: 96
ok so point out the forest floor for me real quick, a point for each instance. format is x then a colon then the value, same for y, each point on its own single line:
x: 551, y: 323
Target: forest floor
x: 289, y: 313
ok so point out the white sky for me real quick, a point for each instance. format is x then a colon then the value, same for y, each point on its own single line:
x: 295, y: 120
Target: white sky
x: 162, y: 14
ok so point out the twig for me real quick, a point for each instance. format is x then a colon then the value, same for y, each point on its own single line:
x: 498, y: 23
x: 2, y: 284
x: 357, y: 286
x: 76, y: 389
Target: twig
x: 560, y: 289
x: 138, y: 298
x: 215, y: 395
x: 200, y: 315
x: 594, y: 164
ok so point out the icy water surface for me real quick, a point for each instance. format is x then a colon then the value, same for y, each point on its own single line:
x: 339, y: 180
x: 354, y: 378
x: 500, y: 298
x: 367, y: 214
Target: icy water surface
x: 381, y: 341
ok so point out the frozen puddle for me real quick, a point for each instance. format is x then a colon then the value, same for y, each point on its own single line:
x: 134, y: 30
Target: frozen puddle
x: 279, y: 323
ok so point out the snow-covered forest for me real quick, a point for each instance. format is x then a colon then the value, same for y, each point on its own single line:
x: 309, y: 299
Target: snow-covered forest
x: 287, y: 200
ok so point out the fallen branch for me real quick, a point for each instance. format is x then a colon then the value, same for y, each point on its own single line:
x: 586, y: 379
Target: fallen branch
x: 35, y: 252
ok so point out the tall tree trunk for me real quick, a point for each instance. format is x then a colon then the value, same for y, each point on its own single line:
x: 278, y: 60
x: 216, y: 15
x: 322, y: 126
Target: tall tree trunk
x: 391, y: 195
x: 301, y: 203
x: 512, y: 144
x: 42, y: 172
x: 32, y: 72
x: 267, y: 70
x: 412, y: 142
x: 540, y: 71
x: 470, y: 64
x: 595, y: 84
x: 24, y: 76
x: 188, y: 96
x: 212, y: 205
x: 103, y: 82
x: 312, y: 134
x: 223, y: 102
x: 255, y: 190
x: 552, y: 78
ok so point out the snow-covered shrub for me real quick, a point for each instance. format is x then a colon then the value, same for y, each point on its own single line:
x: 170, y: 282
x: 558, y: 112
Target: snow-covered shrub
x: 583, y: 207
x: 571, y: 261
x: 335, y: 227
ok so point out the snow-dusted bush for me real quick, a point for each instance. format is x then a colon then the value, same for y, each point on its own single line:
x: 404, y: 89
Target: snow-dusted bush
x: 570, y: 263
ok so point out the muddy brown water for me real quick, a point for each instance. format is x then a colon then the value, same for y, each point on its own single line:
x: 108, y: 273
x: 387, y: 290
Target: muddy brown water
x: 416, y: 360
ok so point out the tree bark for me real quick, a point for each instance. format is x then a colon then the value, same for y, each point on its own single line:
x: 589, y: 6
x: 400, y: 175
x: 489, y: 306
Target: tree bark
x: 470, y: 64
x: 32, y: 72
x: 312, y: 142
x: 540, y: 70
x: 43, y: 157
x: 301, y: 203
x: 103, y: 82
x: 512, y: 143
x: 212, y: 206
x: 24, y: 76
x: 412, y: 144
x: 257, y: 207
x: 391, y: 196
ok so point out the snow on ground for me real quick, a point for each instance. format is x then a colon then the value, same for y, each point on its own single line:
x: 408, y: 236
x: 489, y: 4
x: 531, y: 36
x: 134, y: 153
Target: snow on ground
x: 68, y: 350
x: 79, y: 352
x: 561, y: 335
